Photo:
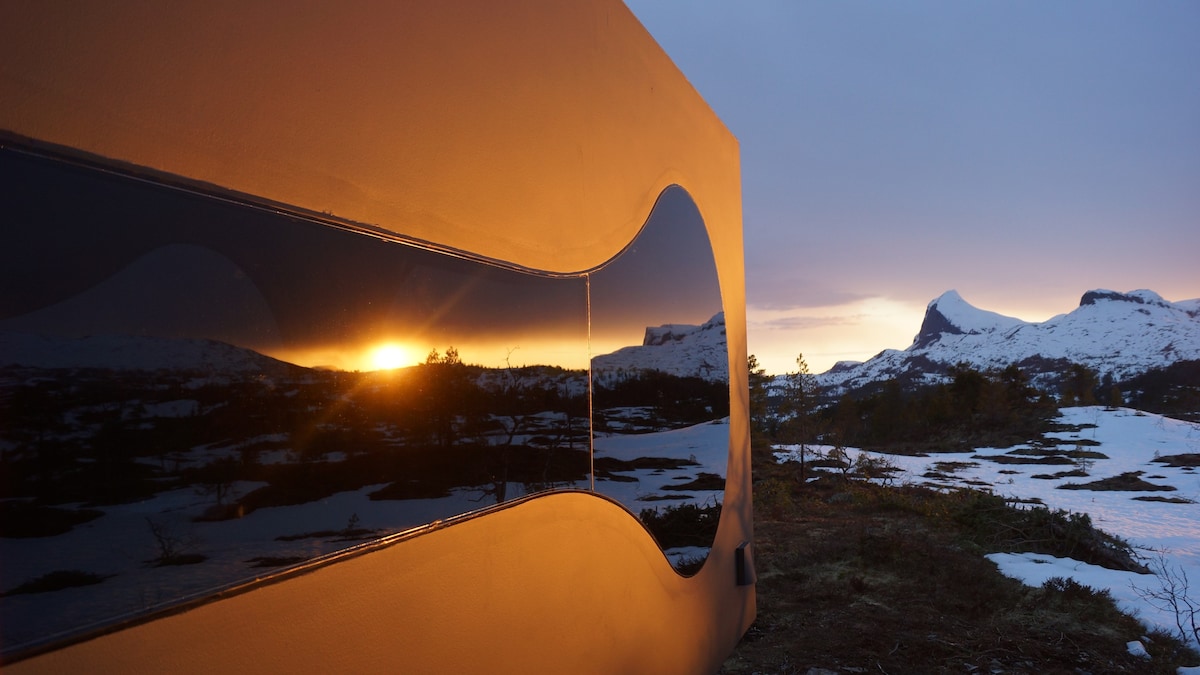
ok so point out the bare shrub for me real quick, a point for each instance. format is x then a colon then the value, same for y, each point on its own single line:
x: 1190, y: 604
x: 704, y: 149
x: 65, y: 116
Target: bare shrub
x: 1173, y: 596
x: 172, y: 544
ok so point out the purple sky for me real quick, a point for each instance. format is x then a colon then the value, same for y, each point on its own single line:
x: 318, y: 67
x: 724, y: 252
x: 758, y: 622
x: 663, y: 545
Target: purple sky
x: 1020, y: 152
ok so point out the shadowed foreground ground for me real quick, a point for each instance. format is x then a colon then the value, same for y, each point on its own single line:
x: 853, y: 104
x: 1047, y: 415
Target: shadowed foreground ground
x: 859, y: 578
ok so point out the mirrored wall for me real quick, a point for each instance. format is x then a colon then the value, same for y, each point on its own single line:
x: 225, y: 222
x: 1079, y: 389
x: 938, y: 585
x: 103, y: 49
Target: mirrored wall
x: 196, y: 392
x: 661, y: 380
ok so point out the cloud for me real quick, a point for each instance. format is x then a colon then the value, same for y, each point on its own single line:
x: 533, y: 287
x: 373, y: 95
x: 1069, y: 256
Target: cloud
x: 808, y: 322
x: 781, y: 295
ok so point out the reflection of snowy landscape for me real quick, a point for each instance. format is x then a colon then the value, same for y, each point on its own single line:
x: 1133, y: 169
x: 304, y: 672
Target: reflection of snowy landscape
x: 1163, y: 516
x: 143, y: 471
x: 699, y: 479
x: 233, y: 535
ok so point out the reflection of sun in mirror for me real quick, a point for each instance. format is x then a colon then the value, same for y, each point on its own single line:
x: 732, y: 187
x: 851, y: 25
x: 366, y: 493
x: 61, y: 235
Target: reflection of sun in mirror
x: 391, y: 355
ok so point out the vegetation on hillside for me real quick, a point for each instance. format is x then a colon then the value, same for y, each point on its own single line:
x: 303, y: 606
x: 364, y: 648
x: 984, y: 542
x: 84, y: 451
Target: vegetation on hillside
x: 1174, y: 391
x: 970, y: 409
x: 966, y: 408
x: 103, y: 437
x: 855, y: 576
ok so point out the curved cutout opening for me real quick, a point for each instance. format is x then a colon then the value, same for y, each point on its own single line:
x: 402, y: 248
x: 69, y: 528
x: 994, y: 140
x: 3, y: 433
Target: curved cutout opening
x: 661, y: 401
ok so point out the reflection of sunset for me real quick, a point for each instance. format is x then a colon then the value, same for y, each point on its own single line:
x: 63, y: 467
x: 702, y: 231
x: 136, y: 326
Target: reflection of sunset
x: 391, y: 355
x: 564, y: 351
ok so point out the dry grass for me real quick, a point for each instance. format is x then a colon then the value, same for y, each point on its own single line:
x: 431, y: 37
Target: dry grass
x: 856, y: 578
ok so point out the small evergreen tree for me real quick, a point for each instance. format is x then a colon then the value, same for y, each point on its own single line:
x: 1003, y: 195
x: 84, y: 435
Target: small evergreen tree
x: 797, y: 410
x: 758, y: 395
x: 1115, y: 399
x: 1080, y: 386
x: 445, y: 394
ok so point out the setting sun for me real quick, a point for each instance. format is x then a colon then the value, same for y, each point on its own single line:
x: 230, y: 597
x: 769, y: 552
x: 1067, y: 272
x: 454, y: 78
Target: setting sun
x: 391, y: 355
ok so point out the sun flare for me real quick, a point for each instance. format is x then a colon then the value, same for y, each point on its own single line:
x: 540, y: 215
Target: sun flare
x: 391, y: 355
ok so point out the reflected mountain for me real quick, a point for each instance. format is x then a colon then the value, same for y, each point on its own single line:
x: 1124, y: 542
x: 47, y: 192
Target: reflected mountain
x: 127, y: 352
x: 676, y: 349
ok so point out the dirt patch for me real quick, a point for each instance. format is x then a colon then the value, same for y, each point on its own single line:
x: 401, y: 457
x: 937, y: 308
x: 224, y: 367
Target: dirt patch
x: 704, y: 481
x: 1187, y: 459
x: 953, y: 467
x: 1077, y: 453
x: 1127, y: 482
x: 1074, y: 473
x: 1025, y: 459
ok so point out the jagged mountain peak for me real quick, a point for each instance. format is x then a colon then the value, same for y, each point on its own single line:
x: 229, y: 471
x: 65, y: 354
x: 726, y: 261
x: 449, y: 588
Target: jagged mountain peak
x: 1141, y: 296
x: 950, y: 314
x: 677, y: 349
x: 1116, y: 334
x: 678, y: 332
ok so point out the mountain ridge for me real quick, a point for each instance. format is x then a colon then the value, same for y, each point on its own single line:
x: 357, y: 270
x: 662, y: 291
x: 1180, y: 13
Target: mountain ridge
x: 132, y: 352
x: 1119, y: 335
x: 675, y: 349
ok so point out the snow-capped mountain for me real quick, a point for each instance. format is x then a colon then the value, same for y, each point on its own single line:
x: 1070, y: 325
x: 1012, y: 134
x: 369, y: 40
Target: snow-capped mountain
x: 129, y: 352
x: 1117, y: 334
x: 676, y: 349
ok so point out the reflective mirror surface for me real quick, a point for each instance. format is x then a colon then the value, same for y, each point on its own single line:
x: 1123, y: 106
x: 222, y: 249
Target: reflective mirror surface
x: 196, y: 392
x: 661, y: 381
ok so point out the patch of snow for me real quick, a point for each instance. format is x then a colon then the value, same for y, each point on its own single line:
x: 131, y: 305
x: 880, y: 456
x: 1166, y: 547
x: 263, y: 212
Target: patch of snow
x: 707, y: 445
x: 683, y: 554
x: 1136, y: 648
x: 121, y: 545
